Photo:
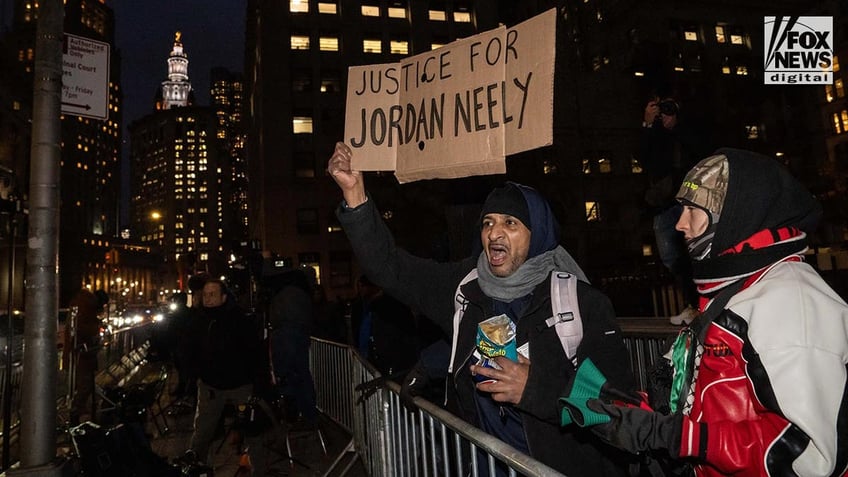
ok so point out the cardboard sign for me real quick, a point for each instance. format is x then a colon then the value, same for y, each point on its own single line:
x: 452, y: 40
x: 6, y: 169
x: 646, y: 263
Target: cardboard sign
x: 456, y: 111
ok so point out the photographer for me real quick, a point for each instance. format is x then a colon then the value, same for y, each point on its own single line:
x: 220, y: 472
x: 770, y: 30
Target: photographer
x: 669, y: 146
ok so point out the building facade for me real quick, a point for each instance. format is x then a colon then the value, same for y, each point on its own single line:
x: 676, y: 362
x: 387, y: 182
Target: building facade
x: 612, y: 56
x: 227, y: 97
x: 176, y: 179
x: 90, y: 167
x: 297, y: 55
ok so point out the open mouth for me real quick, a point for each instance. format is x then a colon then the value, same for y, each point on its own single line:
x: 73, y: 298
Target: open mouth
x: 497, y: 254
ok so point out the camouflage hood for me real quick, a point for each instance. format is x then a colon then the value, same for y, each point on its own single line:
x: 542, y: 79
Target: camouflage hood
x: 747, y: 193
x: 705, y: 187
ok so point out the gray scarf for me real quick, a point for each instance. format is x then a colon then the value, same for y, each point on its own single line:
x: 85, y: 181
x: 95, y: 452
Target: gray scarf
x: 531, y: 273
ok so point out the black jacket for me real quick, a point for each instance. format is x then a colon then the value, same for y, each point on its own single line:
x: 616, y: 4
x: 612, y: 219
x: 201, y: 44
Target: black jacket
x: 393, y: 345
x: 430, y: 287
x: 230, y: 349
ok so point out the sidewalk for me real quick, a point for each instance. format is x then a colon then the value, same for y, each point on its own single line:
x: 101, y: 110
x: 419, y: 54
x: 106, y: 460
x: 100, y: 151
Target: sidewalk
x: 308, y: 456
x: 306, y: 450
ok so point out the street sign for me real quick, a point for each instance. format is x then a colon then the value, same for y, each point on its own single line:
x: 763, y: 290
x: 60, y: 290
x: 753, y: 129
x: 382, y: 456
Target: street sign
x: 85, y: 77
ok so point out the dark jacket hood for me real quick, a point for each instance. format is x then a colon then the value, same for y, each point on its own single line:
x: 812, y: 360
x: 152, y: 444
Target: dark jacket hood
x: 544, y: 235
x: 761, y: 195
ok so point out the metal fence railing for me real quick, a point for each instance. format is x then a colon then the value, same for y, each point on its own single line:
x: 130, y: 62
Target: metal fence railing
x: 119, y: 344
x: 391, y: 440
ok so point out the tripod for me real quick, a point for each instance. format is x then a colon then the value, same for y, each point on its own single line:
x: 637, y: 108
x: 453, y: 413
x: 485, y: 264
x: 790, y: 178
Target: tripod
x: 257, y: 421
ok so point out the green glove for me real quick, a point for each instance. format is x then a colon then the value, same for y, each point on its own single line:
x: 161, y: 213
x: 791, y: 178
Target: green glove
x: 586, y: 385
x: 590, y: 383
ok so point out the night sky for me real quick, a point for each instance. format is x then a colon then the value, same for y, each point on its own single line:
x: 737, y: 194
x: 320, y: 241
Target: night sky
x: 213, y: 35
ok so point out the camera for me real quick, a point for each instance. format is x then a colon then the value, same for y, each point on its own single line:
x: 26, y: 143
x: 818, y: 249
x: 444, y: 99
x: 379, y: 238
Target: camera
x: 668, y: 107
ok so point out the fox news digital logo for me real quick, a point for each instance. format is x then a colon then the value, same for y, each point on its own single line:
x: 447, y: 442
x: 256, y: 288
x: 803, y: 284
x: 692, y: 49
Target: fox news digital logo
x: 799, y: 50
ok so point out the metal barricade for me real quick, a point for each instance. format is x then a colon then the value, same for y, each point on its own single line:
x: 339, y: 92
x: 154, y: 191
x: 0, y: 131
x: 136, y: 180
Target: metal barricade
x: 119, y: 344
x: 17, y: 371
x: 646, y: 340
x: 389, y: 439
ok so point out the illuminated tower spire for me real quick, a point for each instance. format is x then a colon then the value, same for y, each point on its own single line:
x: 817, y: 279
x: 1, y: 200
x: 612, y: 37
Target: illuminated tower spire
x: 176, y: 89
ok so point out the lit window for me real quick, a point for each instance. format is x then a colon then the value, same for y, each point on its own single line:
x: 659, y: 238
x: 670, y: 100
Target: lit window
x: 397, y: 12
x: 372, y: 46
x: 399, y: 47
x: 302, y: 125
x: 742, y: 70
x: 835, y: 63
x: 844, y: 120
x: 828, y: 93
x: 840, y: 89
x: 604, y: 165
x: 647, y: 250
x: 837, y: 126
x: 299, y: 6
x: 436, y: 46
x: 549, y: 167
x: 327, y: 8
x: 370, y: 11
x: 299, y: 42
x: 330, y: 85
x: 437, y: 15
x: 635, y: 166
x: 328, y: 43
x: 462, y: 17
x: 720, y: 38
x: 587, y: 166
x: 690, y: 35
x: 753, y: 132
x: 593, y: 212
x: 736, y: 39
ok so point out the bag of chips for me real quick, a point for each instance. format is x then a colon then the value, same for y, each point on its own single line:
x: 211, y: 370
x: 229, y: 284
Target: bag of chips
x: 495, y: 337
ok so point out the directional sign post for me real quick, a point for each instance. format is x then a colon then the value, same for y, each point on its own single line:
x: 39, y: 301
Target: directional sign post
x: 85, y: 77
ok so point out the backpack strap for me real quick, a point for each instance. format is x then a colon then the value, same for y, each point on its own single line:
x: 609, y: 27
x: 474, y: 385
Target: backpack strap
x: 565, y: 319
x: 566, y: 313
x: 460, y: 303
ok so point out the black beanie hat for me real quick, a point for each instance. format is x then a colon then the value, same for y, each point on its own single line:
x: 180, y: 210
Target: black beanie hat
x: 507, y: 200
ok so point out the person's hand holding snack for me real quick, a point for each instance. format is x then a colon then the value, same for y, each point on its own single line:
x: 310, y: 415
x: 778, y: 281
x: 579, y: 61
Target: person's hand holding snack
x: 507, y: 383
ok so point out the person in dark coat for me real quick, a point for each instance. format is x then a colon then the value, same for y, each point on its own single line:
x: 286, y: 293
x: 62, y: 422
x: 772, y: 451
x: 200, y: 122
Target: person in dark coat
x: 290, y: 316
x: 82, y: 345
x: 670, y: 143
x: 519, y: 235
x: 383, y: 329
x: 232, y: 362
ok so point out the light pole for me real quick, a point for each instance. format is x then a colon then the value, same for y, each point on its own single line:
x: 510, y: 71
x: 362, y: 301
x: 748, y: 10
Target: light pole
x: 157, y: 281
